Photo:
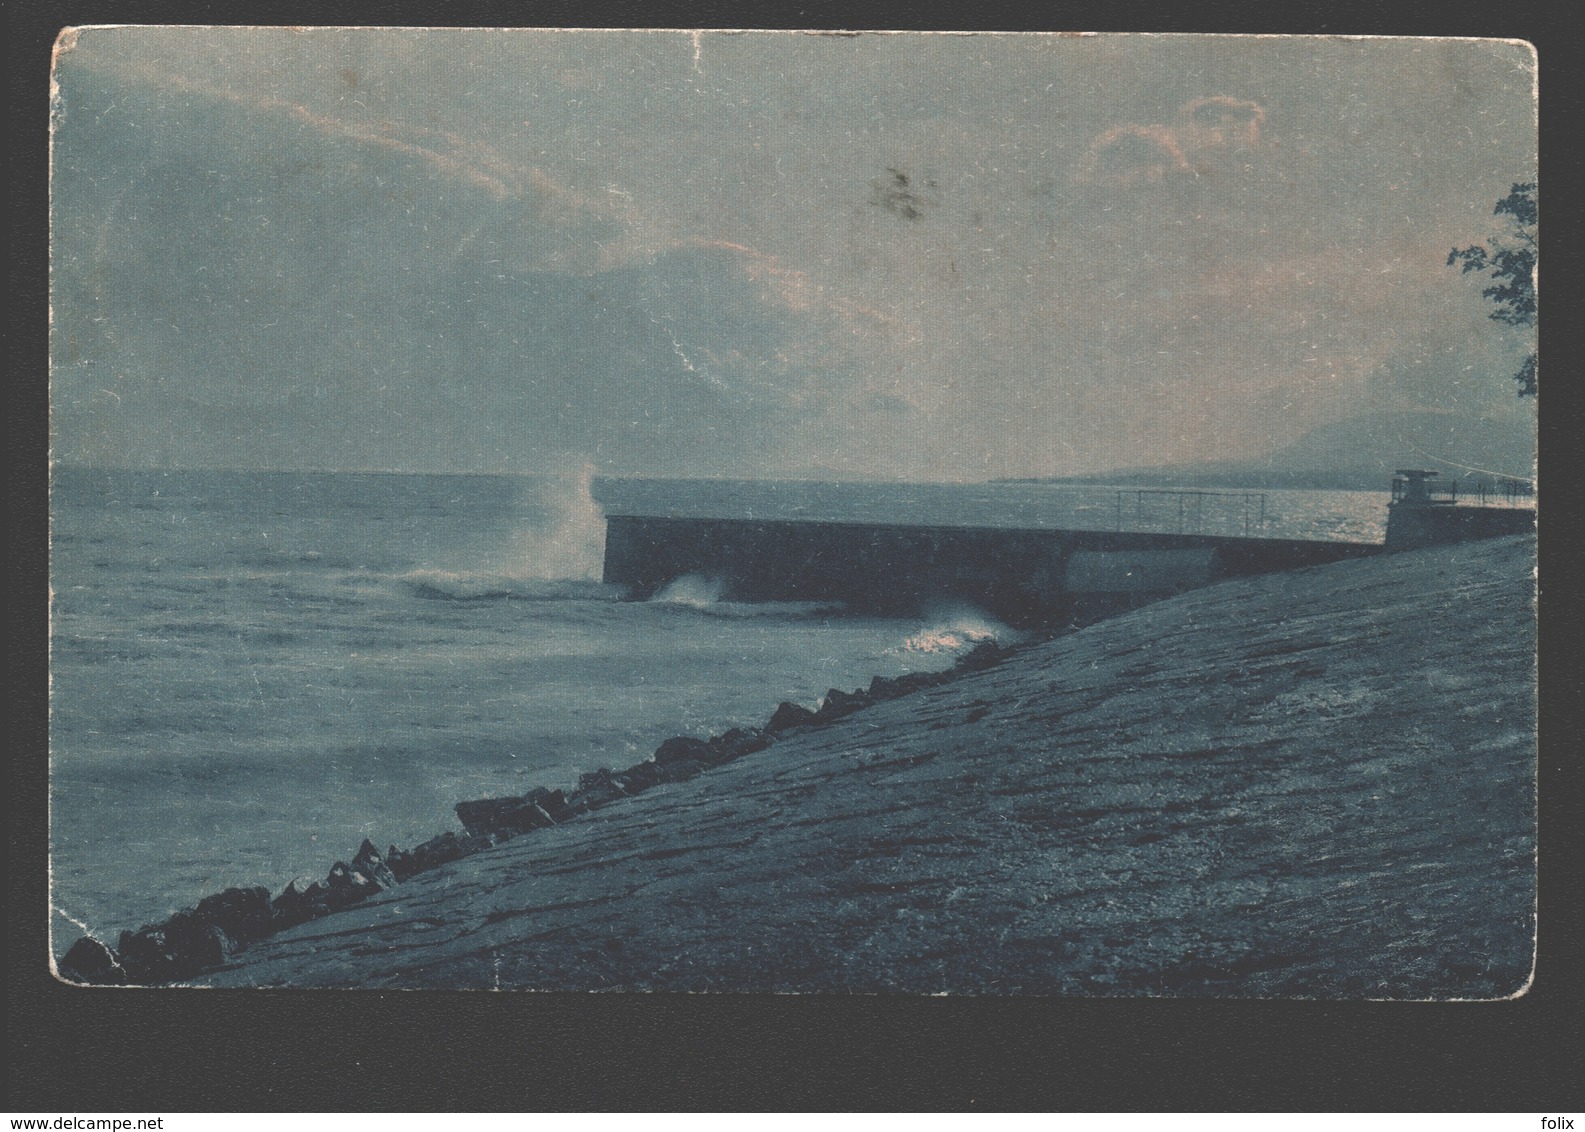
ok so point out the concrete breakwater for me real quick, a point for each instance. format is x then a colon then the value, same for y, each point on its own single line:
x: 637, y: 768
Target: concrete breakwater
x: 206, y: 937
x: 1023, y: 577
x: 1410, y: 527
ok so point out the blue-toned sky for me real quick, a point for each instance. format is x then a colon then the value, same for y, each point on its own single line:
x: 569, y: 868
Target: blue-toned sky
x: 918, y: 256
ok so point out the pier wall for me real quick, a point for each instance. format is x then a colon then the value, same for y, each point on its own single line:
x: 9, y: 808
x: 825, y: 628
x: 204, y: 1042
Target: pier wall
x: 1410, y: 525
x: 1022, y: 577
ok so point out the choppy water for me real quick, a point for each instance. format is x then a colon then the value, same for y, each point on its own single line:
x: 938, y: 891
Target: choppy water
x: 253, y: 671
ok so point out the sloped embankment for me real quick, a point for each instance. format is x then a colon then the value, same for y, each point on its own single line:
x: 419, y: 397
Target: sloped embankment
x: 1308, y: 784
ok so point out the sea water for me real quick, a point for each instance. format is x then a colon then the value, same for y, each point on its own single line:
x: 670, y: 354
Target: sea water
x: 251, y: 672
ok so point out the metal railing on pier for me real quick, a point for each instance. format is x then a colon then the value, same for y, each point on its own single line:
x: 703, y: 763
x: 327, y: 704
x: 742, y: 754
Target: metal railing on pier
x: 1500, y: 492
x: 1187, y: 509
x: 1414, y: 486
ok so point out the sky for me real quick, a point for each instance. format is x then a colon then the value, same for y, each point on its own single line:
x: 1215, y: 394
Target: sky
x: 899, y: 256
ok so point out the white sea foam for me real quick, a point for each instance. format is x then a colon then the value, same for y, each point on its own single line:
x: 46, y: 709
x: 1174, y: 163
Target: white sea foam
x: 457, y: 585
x: 697, y: 593
x: 692, y: 589
x: 952, y: 629
x: 570, y: 544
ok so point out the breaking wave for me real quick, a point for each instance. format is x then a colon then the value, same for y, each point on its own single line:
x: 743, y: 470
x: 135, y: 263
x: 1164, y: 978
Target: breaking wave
x: 696, y: 593
x: 957, y: 630
x: 560, y: 559
x: 571, y: 544
x: 449, y: 585
x: 692, y: 589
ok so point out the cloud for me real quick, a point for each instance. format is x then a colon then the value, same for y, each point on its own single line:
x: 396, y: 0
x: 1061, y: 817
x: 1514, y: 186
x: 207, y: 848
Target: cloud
x: 451, y: 258
x: 542, y: 223
x: 1201, y: 131
x: 1219, y: 122
x: 797, y: 291
x: 1132, y: 155
x: 447, y: 153
x: 598, y: 231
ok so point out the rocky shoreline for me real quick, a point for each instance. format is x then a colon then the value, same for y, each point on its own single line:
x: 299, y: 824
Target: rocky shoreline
x: 211, y: 934
x: 1317, y: 784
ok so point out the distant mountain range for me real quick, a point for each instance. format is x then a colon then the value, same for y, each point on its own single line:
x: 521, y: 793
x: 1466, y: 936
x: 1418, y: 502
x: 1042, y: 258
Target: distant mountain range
x: 1360, y: 453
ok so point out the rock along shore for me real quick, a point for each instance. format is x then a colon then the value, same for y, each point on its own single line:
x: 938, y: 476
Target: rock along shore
x: 1317, y: 784
x: 203, y: 938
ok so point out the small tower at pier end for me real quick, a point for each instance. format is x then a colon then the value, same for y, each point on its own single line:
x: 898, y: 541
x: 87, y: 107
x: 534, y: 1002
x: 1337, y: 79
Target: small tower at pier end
x: 1423, y: 513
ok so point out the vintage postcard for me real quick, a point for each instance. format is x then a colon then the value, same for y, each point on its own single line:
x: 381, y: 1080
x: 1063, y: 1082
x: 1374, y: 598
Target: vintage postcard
x: 773, y: 511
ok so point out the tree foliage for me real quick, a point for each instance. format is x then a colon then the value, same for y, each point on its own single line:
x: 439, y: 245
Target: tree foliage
x: 1510, y: 261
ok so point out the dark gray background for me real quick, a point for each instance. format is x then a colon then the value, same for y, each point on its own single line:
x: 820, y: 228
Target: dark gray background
x: 76, y: 1051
